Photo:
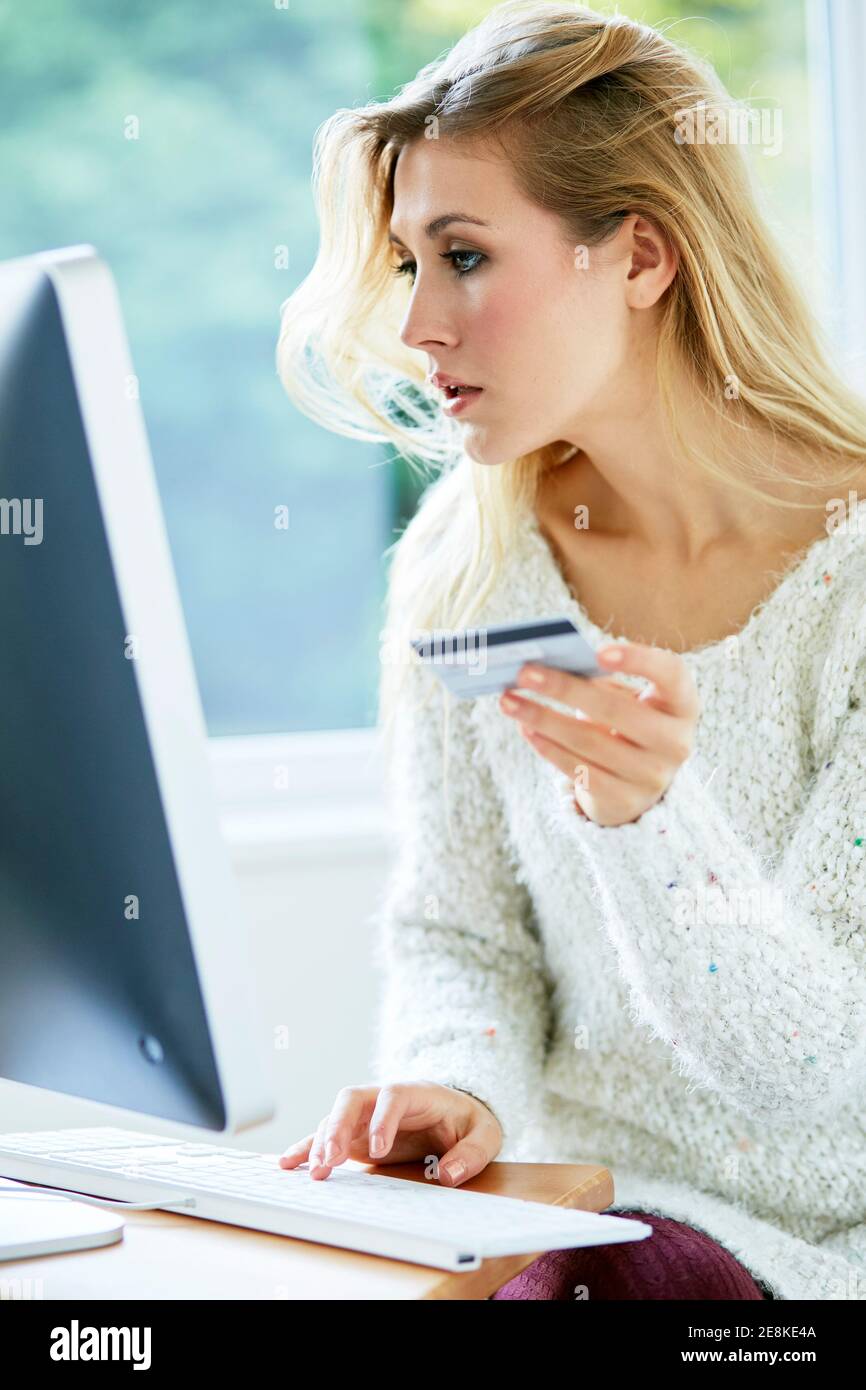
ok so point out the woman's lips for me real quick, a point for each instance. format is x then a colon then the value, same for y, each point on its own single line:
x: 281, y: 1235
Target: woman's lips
x: 455, y: 405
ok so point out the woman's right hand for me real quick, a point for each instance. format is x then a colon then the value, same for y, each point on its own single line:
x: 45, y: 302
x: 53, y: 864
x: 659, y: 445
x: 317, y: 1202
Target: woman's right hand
x: 416, y: 1120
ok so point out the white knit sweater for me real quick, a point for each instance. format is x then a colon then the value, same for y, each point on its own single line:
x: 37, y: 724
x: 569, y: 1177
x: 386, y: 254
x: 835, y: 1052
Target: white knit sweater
x: 682, y: 998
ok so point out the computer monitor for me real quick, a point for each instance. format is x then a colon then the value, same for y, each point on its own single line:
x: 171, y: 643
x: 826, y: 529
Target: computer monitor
x: 125, y: 972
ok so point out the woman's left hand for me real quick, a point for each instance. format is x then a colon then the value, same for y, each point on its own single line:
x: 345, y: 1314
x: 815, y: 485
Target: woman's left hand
x: 622, y: 747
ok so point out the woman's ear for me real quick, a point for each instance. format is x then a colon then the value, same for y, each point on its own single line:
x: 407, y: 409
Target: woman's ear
x: 653, y: 263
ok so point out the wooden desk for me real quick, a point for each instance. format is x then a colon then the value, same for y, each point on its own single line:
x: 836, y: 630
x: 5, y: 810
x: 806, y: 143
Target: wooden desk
x: 164, y: 1255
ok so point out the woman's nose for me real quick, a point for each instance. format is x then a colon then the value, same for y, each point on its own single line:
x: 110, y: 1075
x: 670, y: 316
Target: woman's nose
x: 423, y: 326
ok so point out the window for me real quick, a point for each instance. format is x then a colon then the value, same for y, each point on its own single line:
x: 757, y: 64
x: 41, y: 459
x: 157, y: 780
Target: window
x: 177, y: 139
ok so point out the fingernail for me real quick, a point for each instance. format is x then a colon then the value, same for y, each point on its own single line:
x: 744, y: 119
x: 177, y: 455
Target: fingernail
x: 534, y: 677
x: 612, y: 655
x: 377, y: 1144
x: 455, y: 1170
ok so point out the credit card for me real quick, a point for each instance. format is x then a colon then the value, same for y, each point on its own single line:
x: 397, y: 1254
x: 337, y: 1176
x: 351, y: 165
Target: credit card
x: 487, y: 660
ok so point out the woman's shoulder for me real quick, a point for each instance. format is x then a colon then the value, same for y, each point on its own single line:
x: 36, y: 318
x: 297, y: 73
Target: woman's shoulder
x: 836, y: 565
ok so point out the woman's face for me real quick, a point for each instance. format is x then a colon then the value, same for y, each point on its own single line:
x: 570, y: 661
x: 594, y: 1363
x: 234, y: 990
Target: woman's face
x: 546, y: 328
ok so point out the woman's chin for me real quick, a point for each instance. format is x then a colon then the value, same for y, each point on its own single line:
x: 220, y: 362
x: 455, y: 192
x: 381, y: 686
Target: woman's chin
x: 486, y: 449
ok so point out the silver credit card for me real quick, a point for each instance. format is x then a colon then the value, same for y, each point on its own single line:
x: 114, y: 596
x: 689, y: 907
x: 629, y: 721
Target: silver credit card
x: 487, y: 660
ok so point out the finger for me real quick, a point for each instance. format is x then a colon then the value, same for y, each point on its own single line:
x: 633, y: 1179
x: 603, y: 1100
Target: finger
x: 674, y: 687
x: 396, y: 1105
x: 296, y: 1153
x: 467, y: 1158
x: 349, y: 1115
x: 598, y: 781
x: 388, y: 1111
x: 600, y: 746
x: 583, y: 745
x: 674, y: 683
x: 318, y: 1167
x: 580, y: 738
x: 613, y: 682
x: 602, y: 703
x: 346, y: 1120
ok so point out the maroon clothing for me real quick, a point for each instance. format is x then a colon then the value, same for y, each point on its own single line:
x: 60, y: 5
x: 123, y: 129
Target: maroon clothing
x: 676, y: 1261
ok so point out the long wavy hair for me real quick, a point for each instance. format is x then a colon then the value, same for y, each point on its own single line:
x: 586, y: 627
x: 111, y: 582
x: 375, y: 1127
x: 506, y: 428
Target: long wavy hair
x: 587, y: 109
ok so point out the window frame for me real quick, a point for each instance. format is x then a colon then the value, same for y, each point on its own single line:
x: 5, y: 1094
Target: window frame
x: 300, y: 795
x: 836, y: 58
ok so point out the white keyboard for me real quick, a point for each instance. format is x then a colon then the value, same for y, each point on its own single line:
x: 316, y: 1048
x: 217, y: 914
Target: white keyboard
x: 424, y: 1223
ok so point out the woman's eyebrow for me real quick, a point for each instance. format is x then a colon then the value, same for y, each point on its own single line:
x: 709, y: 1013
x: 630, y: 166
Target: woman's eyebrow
x: 440, y: 223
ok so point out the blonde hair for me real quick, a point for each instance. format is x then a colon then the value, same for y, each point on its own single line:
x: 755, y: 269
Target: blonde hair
x: 585, y: 108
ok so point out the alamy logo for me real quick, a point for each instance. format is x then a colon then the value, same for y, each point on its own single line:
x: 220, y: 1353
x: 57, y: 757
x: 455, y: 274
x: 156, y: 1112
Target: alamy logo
x: 729, y: 124
x: 76, y: 1343
x: 16, y: 518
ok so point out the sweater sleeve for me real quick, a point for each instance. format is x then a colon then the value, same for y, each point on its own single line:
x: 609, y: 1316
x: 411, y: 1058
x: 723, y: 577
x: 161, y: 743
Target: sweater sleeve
x: 465, y: 999
x: 755, y: 978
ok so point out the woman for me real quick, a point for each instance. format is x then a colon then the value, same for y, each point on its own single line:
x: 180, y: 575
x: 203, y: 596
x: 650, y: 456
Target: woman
x: 631, y: 937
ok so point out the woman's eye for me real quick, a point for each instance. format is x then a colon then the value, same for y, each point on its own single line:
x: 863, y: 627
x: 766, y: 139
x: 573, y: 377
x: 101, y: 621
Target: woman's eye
x: 457, y: 259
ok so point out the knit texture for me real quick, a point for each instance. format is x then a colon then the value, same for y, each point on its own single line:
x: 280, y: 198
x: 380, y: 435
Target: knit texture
x: 677, y: 1262
x: 681, y: 998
